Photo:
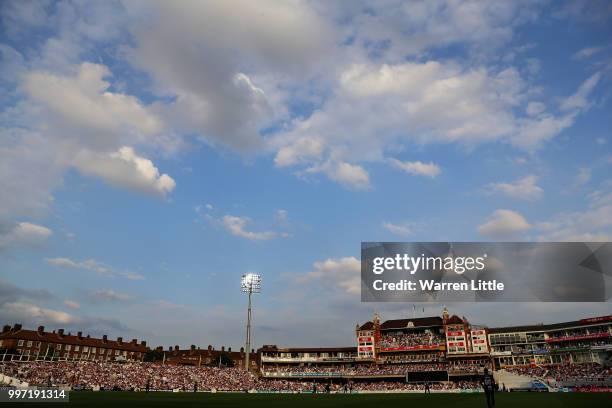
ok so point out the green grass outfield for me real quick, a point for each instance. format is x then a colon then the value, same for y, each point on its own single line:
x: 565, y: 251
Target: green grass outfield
x: 168, y: 399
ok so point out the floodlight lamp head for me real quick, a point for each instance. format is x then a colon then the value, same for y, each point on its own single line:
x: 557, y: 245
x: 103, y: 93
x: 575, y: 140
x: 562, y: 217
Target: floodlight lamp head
x: 250, y: 282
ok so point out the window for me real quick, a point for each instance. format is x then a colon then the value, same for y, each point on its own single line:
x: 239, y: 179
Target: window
x: 85, y: 349
x: 68, y: 347
x: 30, y: 343
x: 76, y: 348
x: 20, y: 343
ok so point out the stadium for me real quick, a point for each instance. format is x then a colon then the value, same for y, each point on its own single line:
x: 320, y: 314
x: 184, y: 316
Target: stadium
x: 426, y: 186
x: 402, y: 358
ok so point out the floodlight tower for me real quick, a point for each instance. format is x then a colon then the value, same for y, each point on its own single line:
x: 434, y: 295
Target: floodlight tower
x: 250, y: 283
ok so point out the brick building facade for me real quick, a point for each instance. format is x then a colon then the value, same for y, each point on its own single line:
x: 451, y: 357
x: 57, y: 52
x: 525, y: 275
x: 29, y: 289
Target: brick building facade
x: 39, y: 344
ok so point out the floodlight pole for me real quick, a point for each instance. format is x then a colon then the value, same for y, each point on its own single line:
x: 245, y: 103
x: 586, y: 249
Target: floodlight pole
x: 248, y: 332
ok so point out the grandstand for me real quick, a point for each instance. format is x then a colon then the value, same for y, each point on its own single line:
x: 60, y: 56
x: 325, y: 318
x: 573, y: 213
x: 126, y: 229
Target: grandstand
x: 443, y: 353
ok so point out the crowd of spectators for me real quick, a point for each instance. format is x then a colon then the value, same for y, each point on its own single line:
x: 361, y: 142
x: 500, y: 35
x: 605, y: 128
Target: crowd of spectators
x: 414, y: 358
x: 564, y: 372
x: 143, y: 376
x: 127, y: 376
x: 411, y: 339
x: 468, y: 366
x: 361, y: 369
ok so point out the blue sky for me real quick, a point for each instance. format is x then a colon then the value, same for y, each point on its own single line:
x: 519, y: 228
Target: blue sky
x: 152, y: 152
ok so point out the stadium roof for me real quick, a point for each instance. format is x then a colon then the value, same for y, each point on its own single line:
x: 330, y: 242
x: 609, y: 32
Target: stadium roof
x: 416, y: 322
x: 552, y: 326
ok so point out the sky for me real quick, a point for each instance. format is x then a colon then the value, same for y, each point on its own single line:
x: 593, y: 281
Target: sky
x: 152, y: 152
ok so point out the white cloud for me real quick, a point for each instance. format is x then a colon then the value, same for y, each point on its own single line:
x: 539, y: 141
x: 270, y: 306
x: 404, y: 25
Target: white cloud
x: 593, y: 223
x: 582, y: 177
x: 281, y: 216
x: 238, y: 226
x: 125, y: 168
x: 303, y: 149
x: 93, y: 266
x: 523, y: 189
x: 417, y: 168
x: 402, y: 230
x: 343, y: 272
x: 580, y: 100
x: 349, y: 175
x: 66, y: 119
x: 24, y: 234
x: 109, y: 295
x: 504, y: 224
x: 195, y: 62
x: 535, y: 108
x: 601, y: 141
x: 83, y: 102
x: 41, y: 314
x: 587, y: 52
x: 72, y: 304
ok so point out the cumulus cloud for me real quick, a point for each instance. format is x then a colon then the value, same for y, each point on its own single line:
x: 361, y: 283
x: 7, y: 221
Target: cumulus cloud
x: 237, y: 226
x: 587, y: 52
x: 343, y: 272
x: 93, y: 266
x: 72, y: 304
x: 504, y: 224
x: 195, y: 61
x: 582, y: 177
x: 376, y: 105
x: 402, y: 230
x: 350, y: 175
x: 125, y: 168
x: 72, y: 118
x: 417, y: 167
x: 580, y: 100
x: 109, y: 295
x: 83, y: 102
x: 523, y: 189
x: 31, y: 311
x: 28, y: 306
x: 592, y: 223
x: 24, y: 234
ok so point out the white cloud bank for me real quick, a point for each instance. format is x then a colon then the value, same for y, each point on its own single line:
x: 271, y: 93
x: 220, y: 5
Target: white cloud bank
x: 24, y: 234
x: 523, y: 189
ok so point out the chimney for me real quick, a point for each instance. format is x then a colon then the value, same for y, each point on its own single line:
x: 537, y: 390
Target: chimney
x: 169, y: 348
x: 222, y: 348
x: 143, y: 343
x: 41, y: 330
x: 229, y: 349
x: 176, y: 348
x: 105, y: 338
x: 193, y: 347
x: 209, y: 347
x: 134, y: 341
x: 242, y: 349
x: 120, y: 340
x: 60, y: 332
x: 80, y: 335
x: 17, y: 327
x: 6, y: 328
